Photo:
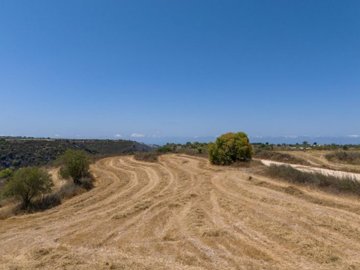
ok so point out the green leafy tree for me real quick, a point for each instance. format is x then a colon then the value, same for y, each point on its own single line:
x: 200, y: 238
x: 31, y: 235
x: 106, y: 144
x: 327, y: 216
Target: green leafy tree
x: 229, y: 148
x: 165, y: 149
x: 28, y: 183
x: 75, y: 165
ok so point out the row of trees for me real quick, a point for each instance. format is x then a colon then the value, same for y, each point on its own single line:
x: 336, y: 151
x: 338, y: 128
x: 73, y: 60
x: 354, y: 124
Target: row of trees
x: 28, y: 183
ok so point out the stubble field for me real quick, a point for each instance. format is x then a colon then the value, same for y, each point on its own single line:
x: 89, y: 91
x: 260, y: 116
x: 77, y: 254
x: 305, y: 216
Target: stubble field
x: 183, y: 213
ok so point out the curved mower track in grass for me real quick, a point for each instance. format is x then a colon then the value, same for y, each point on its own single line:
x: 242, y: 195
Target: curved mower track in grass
x: 183, y: 213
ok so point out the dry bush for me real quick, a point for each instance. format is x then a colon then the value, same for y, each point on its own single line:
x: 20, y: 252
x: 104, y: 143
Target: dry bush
x: 45, y: 202
x: 8, y: 207
x: 8, y: 212
x: 70, y: 190
x: 147, y: 156
x: 344, y: 156
x: 39, y: 204
x: 87, y: 182
x: 250, y: 164
x: 281, y: 157
x: 330, y: 183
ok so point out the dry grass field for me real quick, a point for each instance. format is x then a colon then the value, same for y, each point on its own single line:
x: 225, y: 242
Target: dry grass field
x: 183, y: 213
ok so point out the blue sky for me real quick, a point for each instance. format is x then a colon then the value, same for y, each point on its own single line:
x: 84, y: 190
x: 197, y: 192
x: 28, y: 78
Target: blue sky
x: 157, y: 69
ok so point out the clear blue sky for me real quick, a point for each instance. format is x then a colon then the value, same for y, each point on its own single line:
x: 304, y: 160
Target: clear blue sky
x: 179, y: 68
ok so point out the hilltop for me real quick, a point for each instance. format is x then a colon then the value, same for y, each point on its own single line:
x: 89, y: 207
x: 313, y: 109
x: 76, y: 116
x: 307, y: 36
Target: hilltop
x: 22, y: 151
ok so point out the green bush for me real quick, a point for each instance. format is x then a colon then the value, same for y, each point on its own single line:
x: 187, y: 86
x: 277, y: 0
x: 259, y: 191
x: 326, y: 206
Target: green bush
x: 6, y: 173
x: 28, y: 183
x: 229, y: 148
x: 74, y: 164
x: 165, y: 149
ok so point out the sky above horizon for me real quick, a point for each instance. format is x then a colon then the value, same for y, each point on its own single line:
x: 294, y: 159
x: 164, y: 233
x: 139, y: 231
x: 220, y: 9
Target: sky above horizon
x: 156, y: 69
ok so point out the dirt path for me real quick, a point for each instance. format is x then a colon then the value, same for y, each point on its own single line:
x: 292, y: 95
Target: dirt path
x: 182, y: 213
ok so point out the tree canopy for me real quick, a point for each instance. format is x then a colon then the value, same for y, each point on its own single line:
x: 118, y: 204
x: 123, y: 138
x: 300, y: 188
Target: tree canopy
x: 229, y: 148
x: 75, y: 164
x: 28, y: 183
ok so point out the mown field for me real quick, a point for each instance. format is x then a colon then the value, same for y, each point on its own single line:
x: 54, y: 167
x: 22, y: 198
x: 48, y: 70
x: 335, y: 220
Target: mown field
x: 180, y: 212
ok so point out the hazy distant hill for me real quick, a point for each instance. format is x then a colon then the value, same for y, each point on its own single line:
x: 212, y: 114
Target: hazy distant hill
x: 20, y: 152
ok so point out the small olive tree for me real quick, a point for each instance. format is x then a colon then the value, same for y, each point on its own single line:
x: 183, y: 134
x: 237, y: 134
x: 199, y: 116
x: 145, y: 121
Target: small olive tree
x: 74, y: 164
x: 229, y: 148
x: 28, y: 183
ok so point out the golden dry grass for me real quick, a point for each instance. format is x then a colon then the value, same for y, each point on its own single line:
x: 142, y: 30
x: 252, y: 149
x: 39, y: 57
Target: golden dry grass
x: 317, y: 158
x: 183, y: 213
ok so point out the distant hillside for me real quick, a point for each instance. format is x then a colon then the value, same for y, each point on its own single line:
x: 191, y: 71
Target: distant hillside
x: 20, y: 152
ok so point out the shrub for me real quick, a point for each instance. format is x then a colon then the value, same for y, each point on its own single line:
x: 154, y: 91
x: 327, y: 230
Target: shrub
x: 165, y: 149
x: 285, y: 172
x: 75, y: 164
x: 87, y: 183
x: 69, y: 190
x: 229, y: 148
x: 147, y: 156
x: 6, y: 173
x: 46, y: 202
x: 28, y: 183
x: 278, y: 156
x: 344, y: 156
